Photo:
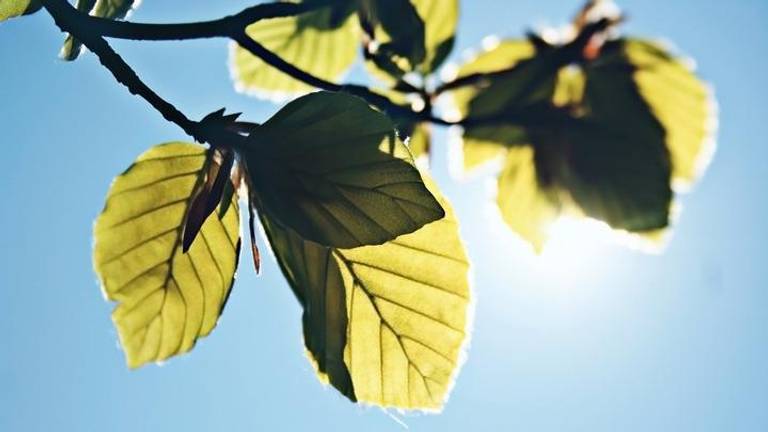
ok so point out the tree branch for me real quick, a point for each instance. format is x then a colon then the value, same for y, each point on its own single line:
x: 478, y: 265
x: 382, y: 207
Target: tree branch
x: 71, y: 20
x: 222, y: 27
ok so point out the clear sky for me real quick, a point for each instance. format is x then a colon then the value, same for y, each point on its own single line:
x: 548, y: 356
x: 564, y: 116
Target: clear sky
x: 592, y: 338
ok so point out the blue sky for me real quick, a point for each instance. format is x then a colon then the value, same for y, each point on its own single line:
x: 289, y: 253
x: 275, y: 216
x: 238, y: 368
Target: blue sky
x: 593, y: 338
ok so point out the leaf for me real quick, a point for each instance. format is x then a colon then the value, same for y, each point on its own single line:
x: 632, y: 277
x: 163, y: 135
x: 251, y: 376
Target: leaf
x: 166, y: 299
x: 482, y: 144
x: 209, y: 195
x: 332, y: 169
x: 426, y: 27
x: 681, y: 102
x: 527, y: 206
x: 384, y: 324
x: 419, y: 141
x: 109, y: 9
x: 403, y: 30
x: 440, y: 20
x: 323, y: 43
x: 14, y: 8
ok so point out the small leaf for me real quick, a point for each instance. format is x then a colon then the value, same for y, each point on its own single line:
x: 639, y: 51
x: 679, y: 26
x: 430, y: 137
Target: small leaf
x: 332, y: 169
x: 403, y: 27
x: 380, y: 327
x: 109, y: 9
x: 166, y: 299
x: 209, y: 195
x: 14, y: 8
x: 323, y: 43
x: 414, y: 36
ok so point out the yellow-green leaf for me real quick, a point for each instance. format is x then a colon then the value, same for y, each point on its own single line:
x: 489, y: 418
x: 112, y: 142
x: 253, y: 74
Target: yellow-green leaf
x: 167, y: 299
x: 419, y: 141
x: 440, y: 20
x: 314, y: 42
x: 680, y: 101
x: 481, y: 144
x: 384, y: 324
x: 109, y: 9
x: 331, y: 168
x: 14, y: 8
x: 526, y: 205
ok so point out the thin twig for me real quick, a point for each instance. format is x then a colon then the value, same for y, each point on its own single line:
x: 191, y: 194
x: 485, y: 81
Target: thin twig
x: 71, y: 20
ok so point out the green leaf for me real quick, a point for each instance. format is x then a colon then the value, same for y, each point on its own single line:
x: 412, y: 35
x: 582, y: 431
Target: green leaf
x: 403, y: 30
x: 332, y: 169
x: 527, y: 206
x: 605, y: 135
x: 109, y: 9
x: 166, y: 299
x: 419, y: 141
x: 483, y: 143
x: 14, y: 8
x: 424, y: 30
x: 379, y: 326
x: 440, y: 20
x: 323, y: 43
x: 682, y: 103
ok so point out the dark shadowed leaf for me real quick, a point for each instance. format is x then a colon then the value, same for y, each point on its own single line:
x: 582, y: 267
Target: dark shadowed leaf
x: 422, y: 33
x: 682, y: 103
x: 384, y: 324
x: 639, y: 120
x: 332, y: 169
x: 166, y: 299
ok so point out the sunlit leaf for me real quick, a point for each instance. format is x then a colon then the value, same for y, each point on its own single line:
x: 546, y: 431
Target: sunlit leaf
x: 166, y: 299
x: 324, y: 43
x: 109, y: 9
x: 14, y: 8
x: 332, y: 169
x: 526, y: 205
x: 678, y: 98
x: 419, y: 141
x: 483, y: 143
x: 440, y: 20
x: 384, y: 324
x: 620, y: 128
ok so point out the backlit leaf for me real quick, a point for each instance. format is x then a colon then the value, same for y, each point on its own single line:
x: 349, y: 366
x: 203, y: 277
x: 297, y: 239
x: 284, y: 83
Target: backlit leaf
x: 620, y: 128
x: 324, y: 43
x: 384, y: 324
x: 332, y: 169
x: 680, y: 101
x: 435, y: 30
x: 166, y: 299
x: 481, y: 144
x: 109, y: 9
x: 440, y: 20
x: 526, y: 205
x: 14, y: 8
x: 399, y: 30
